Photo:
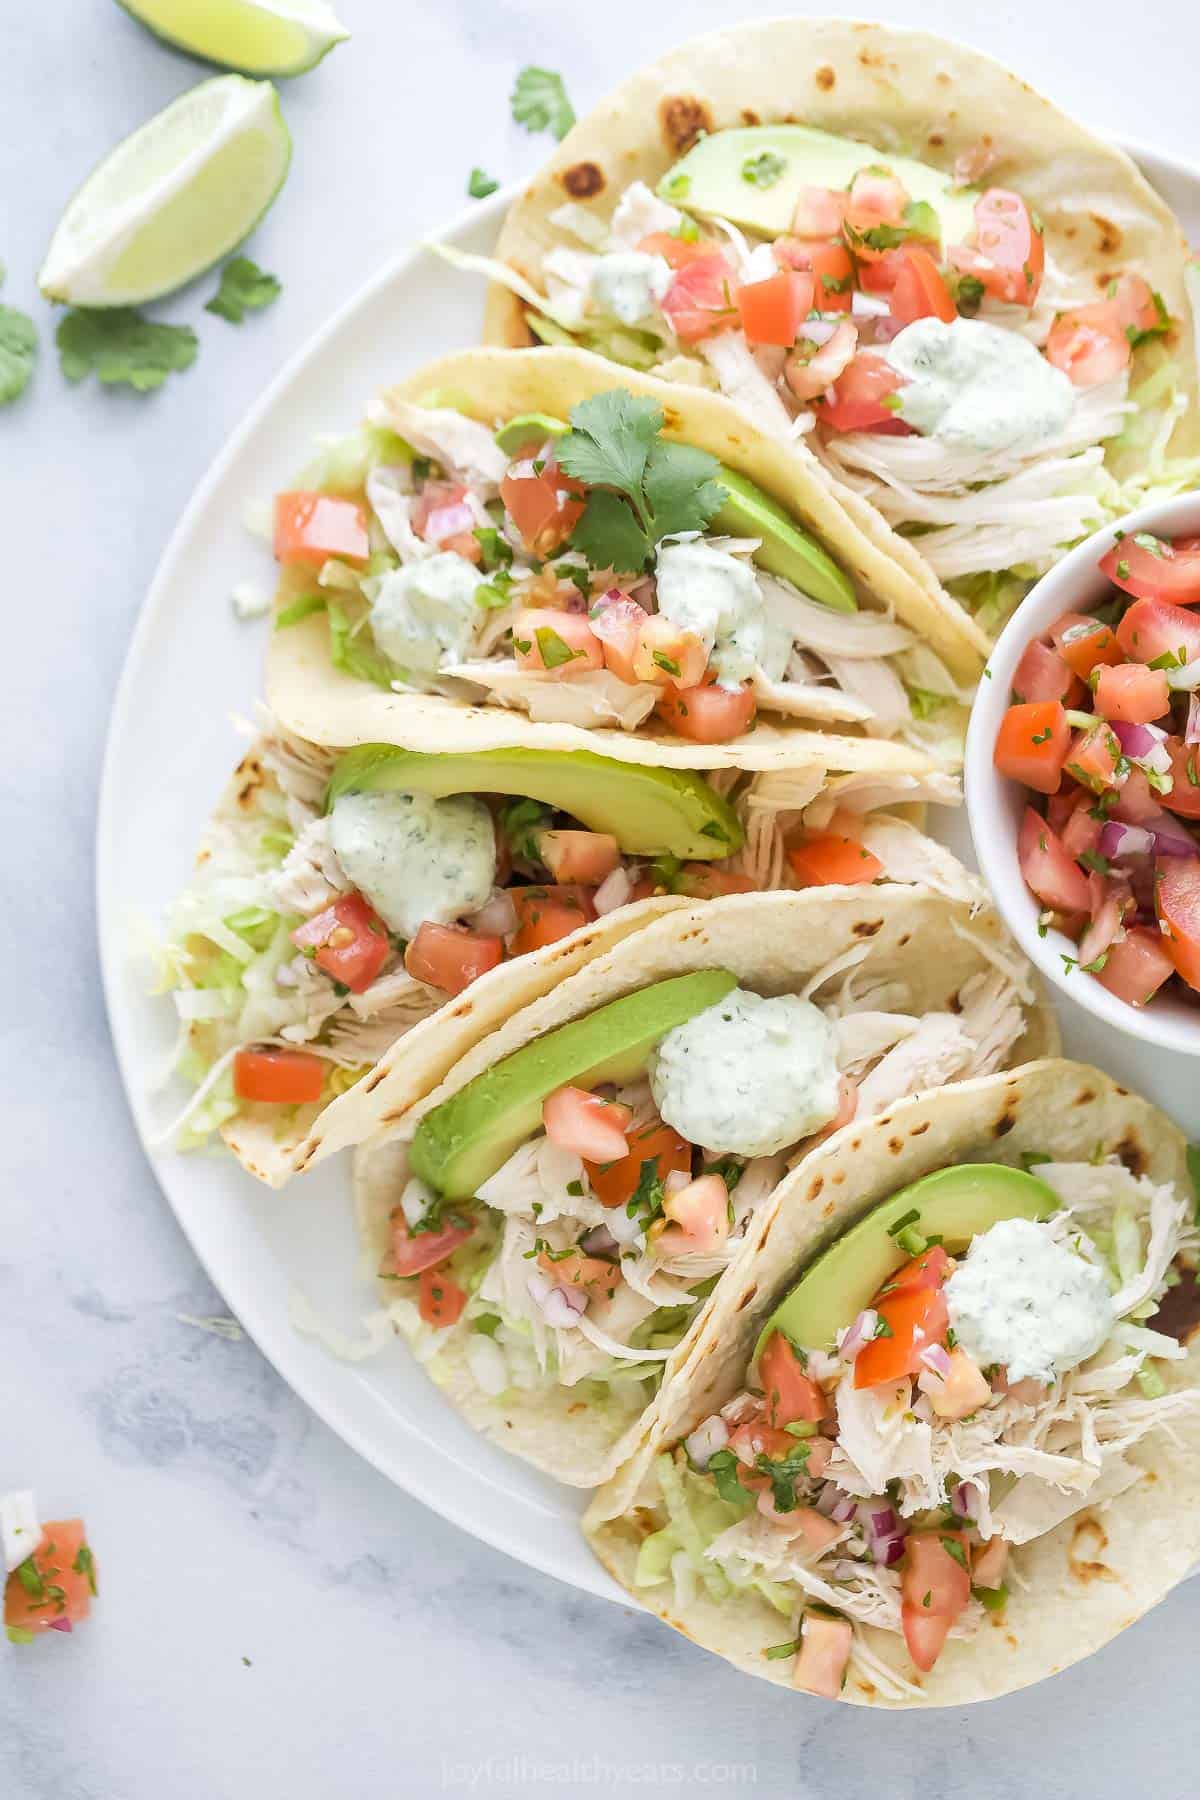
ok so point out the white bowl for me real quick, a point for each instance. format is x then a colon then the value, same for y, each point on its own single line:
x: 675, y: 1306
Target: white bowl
x: 995, y: 805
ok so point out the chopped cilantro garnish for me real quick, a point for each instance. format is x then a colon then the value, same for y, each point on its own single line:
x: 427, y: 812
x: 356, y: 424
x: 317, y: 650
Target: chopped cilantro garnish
x: 555, y: 650
x: 723, y: 1467
x: 647, y: 1200
x: 18, y: 347
x: 539, y: 102
x: 118, y: 345
x: 480, y: 185
x: 244, y: 288
x: 303, y: 608
x: 953, y: 1548
x: 1092, y: 859
x: 774, y: 1652
x: 783, y: 1473
x: 495, y: 547
x: 763, y: 170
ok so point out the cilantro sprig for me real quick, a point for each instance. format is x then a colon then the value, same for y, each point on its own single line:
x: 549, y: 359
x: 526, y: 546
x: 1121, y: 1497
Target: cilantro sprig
x: 539, y: 102
x: 18, y: 348
x: 244, y: 288
x: 643, y: 488
x: 118, y: 345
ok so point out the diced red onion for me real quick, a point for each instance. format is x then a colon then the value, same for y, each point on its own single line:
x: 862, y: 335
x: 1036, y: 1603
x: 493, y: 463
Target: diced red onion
x: 1191, y: 731
x: 1137, y: 741
x: 1118, y: 840
x: 836, y: 1504
x: 936, y: 1358
x: 1172, y: 840
x: 59, y: 1625
x: 857, y: 1336
x: 448, y: 521
x: 964, y: 1501
x: 558, y: 1306
x: 819, y: 331
x: 610, y: 612
x: 497, y: 917
x: 884, y: 1533
x: 868, y: 306
x: 1104, y: 926
x: 614, y: 891
x: 599, y: 1241
x: 709, y: 1437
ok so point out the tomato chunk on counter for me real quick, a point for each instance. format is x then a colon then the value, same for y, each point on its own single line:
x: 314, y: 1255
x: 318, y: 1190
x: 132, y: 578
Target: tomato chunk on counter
x: 1032, y: 745
x: 52, y: 1590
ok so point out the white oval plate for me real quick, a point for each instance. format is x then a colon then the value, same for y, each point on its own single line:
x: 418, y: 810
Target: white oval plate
x: 191, y: 668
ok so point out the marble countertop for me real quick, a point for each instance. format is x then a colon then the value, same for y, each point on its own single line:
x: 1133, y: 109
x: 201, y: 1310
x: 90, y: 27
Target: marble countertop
x: 276, y: 1619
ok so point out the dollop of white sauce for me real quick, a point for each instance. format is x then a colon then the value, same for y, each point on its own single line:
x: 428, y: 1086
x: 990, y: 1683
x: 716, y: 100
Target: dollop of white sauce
x: 748, y: 1076
x: 717, y: 596
x: 1026, y: 1300
x: 425, y: 615
x: 414, y: 857
x: 977, y: 386
x: 628, y: 284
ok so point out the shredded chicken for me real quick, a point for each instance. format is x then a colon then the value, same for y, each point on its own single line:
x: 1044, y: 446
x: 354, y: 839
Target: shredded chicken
x: 464, y: 447
x: 594, y: 698
x: 740, y: 378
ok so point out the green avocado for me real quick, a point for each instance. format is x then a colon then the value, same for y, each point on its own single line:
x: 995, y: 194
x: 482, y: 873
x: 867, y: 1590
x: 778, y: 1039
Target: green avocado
x: 650, y: 812
x: 528, y: 431
x: 955, y: 1205
x: 784, y: 549
x: 753, y: 176
x: 466, y: 1139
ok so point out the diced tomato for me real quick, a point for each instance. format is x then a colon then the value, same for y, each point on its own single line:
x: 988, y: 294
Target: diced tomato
x: 617, y: 621
x: 875, y: 198
x: 1132, y: 693
x: 860, y: 396
x: 831, y: 267
x: 1184, y: 797
x: 311, y: 528
x: 1083, y: 643
x: 989, y: 1563
x: 812, y: 368
x: 546, y: 914
x: 826, y: 858
x: 915, y: 1317
x: 1089, y: 344
x: 1094, y: 757
x: 772, y: 310
x: 708, y: 715
x: 1139, y: 309
x: 677, y: 251
x: 348, y: 940
x: 52, y: 1589
x: 1154, y: 628
x: 699, y: 302
x: 1080, y: 832
x: 1177, y: 902
x: 439, y: 1299
x: 1137, y: 804
x: 555, y: 643
x: 1049, y: 873
x: 586, y: 1124
x: 919, y: 292
x: 698, y: 1216
x: 415, y: 1251
x: 278, y: 1077
x: 593, y: 1274
x: 819, y: 212
x: 1042, y: 674
x: 824, y: 1654
x: 961, y: 1391
x: 586, y: 856
x: 1032, y: 744
x: 928, y: 1270
x: 802, y: 1522
x: 615, y: 1183
x: 1153, y: 569
x: 701, y: 881
x: 544, y: 504
x: 935, y: 1587
x: 1136, y: 967
x: 756, y: 1438
x: 668, y: 656
x: 450, y: 957
x: 790, y: 1393
x: 1009, y: 253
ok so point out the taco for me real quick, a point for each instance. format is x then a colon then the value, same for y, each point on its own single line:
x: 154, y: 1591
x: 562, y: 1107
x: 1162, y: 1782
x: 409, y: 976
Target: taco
x: 547, y: 1224
x: 342, y: 900
x: 531, y: 547
x: 939, y: 1434
x: 973, y: 308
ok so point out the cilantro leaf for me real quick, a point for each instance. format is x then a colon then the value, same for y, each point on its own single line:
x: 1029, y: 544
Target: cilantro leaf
x: 480, y: 184
x: 352, y: 654
x: 244, y: 288
x: 647, y: 1201
x: 610, y: 439
x: 609, y: 535
x: 723, y: 1467
x: 522, y: 822
x: 18, y: 347
x: 539, y: 102
x: 784, y: 1472
x: 680, y: 488
x: 118, y: 345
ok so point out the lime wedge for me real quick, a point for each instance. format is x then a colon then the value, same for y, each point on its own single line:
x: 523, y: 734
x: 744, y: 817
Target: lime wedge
x: 173, y: 198
x: 256, y: 37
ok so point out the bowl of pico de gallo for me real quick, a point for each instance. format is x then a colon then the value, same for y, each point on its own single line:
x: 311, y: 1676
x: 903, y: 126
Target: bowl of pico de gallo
x: 1083, y: 774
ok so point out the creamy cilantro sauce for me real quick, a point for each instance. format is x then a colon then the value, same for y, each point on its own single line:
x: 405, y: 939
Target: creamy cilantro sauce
x: 414, y: 857
x: 977, y: 386
x: 425, y: 614
x: 628, y: 284
x: 717, y: 596
x: 748, y: 1076
x: 1024, y: 1299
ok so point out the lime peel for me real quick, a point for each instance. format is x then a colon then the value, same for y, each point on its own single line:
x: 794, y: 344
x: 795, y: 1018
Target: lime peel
x: 255, y: 37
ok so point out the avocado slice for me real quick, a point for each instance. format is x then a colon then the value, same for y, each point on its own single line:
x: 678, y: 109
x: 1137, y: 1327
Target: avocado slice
x: 466, y: 1139
x: 650, y: 812
x: 528, y: 431
x: 784, y: 548
x: 955, y: 1204
x: 710, y: 180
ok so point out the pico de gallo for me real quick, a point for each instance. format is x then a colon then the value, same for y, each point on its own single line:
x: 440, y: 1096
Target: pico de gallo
x: 51, y: 1572
x: 1104, y: 736
x: 593, y: 572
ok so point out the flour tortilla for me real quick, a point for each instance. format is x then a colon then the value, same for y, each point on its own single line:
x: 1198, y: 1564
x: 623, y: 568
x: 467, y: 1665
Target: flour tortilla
x: 321, y: 703
x: 773, y: 943
x: 1076, y: 1587
x: 904, y: 92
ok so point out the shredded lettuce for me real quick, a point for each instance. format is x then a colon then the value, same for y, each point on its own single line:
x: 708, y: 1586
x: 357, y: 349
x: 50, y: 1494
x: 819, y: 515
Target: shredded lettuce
x: 342, y: 464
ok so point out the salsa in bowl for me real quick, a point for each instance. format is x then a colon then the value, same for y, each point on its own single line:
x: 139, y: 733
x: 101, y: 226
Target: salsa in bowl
x: 1083, y: 774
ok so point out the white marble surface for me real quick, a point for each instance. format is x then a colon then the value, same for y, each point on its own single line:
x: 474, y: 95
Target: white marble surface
x: 276, y: 1619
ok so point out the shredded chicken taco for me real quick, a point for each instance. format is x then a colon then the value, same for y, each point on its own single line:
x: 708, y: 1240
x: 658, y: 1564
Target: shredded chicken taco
x: 532, y: 547
x: 938, y: 1436
x: 964, y: 310
x: 548, y: 1223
